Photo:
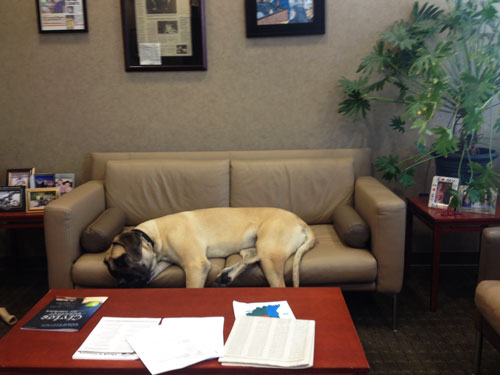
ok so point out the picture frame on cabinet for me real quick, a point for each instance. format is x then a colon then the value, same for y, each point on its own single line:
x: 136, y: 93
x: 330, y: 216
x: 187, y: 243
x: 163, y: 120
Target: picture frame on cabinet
x: 20, y: 176
x: 12, y: 198
x: 440, y: 194
x: 38, y: 198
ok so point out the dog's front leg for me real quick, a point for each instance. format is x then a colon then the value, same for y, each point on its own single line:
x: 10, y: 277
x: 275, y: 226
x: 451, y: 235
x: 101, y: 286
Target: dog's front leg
x: 196, y: 272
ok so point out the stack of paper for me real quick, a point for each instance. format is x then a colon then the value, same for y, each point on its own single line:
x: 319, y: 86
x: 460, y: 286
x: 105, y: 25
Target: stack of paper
x: 269, y: 342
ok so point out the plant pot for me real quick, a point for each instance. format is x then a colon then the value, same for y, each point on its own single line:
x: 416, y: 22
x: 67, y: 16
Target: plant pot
x: 449, y: 166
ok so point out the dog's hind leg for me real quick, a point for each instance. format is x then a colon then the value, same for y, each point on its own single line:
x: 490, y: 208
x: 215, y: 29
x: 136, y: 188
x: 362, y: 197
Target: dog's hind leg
x: 273, y: 268
x: 229, y: 274
x: 196, y: 272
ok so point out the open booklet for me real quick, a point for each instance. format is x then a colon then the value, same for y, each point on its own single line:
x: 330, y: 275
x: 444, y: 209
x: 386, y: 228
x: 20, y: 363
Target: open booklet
x: 268, y: 342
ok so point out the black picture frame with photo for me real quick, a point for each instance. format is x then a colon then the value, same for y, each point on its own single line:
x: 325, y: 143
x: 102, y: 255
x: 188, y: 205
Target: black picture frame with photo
x: 19, y: 176
x: 267, y: 19
x: 62, y: 16
x: 12, y: 198
x: 196, y: 60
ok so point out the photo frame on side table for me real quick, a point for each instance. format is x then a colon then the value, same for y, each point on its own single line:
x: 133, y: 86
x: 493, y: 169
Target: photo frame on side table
x: 440, y: 196
x: 19, y: 177
x: 486, y: 206
x: 164, y: 35
x: 267, y: 19
x: 65, y: 182
x: 37, y: 199
x: 12, y: 198
x: 62, y: 16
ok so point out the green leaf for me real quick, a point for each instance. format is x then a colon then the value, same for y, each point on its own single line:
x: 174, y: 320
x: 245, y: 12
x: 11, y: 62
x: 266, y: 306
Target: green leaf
x: 375, y: 60
x: 388, y: 165
x: 445, y: 143
x: 407, y: 178
x: 398, y: 124
x: 399, y: 36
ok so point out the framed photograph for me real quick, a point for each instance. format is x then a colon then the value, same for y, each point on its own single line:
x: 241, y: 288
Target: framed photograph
x: 164, y: 35
x: 19, y: 177
x: 284, y: 17
x: 44, y: 180
x: 440, y: 194
x: 62, y: 16
x: 487, y: 206
x: 65, y: 182
x: 12, y: 198
x: 37, y: 199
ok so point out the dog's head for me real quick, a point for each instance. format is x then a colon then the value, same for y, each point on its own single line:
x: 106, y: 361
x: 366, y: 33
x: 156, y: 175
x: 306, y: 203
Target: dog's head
x: 131, y: 259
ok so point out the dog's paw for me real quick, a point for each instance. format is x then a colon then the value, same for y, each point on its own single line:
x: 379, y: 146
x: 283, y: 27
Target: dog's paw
x: 223, y: 279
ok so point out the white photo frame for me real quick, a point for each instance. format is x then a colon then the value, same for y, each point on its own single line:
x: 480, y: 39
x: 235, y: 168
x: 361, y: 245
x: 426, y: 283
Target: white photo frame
x: 439, y: 196
x: 487, y: 206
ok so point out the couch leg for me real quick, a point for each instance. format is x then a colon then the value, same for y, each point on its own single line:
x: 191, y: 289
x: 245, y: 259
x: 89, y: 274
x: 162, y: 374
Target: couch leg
x: 478, y: 351
x: 395, y: 312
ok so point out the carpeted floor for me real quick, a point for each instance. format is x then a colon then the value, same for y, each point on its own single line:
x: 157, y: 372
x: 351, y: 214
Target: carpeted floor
x: 426, y: 343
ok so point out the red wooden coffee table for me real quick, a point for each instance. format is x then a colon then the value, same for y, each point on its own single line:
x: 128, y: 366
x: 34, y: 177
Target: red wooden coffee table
x: 337, y: 347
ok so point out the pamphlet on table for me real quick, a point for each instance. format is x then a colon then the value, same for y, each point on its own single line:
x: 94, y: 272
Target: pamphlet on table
x: 279, y: 309
x: 67, y: 314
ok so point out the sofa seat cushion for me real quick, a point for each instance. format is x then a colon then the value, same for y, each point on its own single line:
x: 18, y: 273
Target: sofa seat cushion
x: 487, y: 300
x: 90, y: 271
x: 147, y: 189
x: 329, y: 262
x: 310, y: 188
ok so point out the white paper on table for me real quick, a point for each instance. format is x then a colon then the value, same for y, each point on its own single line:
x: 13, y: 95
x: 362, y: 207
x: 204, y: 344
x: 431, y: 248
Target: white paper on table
x: 252, y: 309
x: 108, y: 339
x: 179, y: 342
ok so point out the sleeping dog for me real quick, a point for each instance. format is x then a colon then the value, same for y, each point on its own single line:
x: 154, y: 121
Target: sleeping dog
x: 188, y: 239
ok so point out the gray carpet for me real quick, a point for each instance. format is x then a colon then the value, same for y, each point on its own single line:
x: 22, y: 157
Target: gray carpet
x: 426, y: 343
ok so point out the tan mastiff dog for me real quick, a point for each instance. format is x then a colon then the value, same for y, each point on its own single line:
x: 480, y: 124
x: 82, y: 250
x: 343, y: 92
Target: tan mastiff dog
x: 188, y: 239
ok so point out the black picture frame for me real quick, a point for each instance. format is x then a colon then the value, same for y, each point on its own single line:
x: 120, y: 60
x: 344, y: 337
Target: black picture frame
x: 259, y: 27
x: 196, y: 61
x: 12, y: 198
x: 73, y: 13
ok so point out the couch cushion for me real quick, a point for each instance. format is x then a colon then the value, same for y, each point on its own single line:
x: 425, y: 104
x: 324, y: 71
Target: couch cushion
x: 90, y: 271
x: 100, y: 233
x: 311, y: 188
x: 351, y: 228
x: 147, y: 189
x: 487, y: 300
x: 329, y: 262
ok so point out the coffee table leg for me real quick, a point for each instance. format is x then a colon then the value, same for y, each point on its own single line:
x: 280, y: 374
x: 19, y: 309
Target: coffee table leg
x: 436, y: 249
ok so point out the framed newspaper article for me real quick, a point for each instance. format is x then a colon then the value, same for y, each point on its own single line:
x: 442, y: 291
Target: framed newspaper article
x: 284, y: 17
x: 55, y: 16
x: 164, y: 35
x: 441, y: 188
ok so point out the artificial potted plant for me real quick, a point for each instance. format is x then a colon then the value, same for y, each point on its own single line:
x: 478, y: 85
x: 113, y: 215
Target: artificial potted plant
x: 444, y: 67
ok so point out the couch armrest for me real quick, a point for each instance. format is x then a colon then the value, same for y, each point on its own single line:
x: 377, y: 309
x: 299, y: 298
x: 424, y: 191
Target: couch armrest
x: 489, y: 262
x: 64, y: 221
x: 385, y: 213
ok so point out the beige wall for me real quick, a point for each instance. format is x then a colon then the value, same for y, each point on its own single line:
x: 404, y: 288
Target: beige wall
x: 65, y: 95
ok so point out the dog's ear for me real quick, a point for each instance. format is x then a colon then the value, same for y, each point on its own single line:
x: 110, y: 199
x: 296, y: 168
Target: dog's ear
x: 132, y: 243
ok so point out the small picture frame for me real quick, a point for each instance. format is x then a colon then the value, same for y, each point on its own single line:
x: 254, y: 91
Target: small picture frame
x: 19, y: 177
x: 62, y: 16
x: 486, y: 206
x: 284, y: 18
x: 65, y: 182
x: 12, y: 198
x: 44, y: 180
x: 38, y: 199
x: 440, y: 194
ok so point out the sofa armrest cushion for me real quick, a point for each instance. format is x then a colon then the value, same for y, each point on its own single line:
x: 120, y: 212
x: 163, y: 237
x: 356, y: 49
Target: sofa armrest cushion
x: 350, y: 227
x: 99, y: 234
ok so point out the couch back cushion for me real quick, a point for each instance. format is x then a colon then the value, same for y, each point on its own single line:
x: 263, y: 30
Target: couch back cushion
x: 311, y: 188
x: 147, y: 189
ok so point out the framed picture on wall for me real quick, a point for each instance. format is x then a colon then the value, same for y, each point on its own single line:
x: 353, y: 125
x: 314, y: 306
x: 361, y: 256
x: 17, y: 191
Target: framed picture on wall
x: 12, y: 198
x: 284, y: 17
x: 37, y: 199
x: 164, y: 35
x: 440, y: 195
x: 62, y: 16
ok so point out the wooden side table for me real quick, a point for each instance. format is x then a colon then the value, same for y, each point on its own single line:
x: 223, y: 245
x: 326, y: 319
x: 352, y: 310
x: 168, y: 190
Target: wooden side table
x: 441, y: 221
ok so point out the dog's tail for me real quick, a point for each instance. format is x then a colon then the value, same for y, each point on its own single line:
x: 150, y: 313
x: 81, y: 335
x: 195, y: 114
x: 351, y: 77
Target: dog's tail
x: 306, y: 246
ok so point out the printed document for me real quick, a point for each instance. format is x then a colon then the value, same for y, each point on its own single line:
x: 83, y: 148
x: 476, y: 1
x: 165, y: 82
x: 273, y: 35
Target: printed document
x: 267, y: 342
x: 108, y: 340
x: 179, y: 342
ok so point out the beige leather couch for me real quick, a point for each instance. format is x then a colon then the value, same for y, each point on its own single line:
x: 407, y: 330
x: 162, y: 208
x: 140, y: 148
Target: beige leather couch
x: 310, y: 183
x: 487, y: 296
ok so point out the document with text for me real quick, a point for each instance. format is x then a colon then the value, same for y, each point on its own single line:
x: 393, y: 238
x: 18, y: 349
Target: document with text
x: 270, y: 342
